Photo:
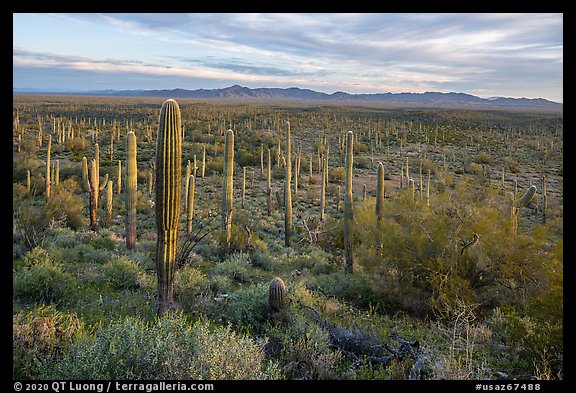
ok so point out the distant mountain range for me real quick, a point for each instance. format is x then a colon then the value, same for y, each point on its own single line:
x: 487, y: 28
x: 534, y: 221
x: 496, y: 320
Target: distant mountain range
x: 428, y: 99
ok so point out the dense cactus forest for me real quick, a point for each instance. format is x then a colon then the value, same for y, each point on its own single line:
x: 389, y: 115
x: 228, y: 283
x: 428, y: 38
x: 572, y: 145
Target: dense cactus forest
x: 178, y: 239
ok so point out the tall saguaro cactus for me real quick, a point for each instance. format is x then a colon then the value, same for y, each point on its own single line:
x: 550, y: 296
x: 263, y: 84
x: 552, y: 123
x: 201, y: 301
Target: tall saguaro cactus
x: 228, y: 185
x: 47, y: 193
x: 269, y: 185
x: 190, y: 207
x: 94, y: 186
x: 168, y: 199
x: 323, y: 193
x: 380, y: 205
x: 288, y: 192
x: 131, y: 190
x: 380, y: 192
x: 348, y: 208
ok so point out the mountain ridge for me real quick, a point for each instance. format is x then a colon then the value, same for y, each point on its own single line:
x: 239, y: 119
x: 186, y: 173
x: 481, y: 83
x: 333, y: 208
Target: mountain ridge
x: 295, y: 93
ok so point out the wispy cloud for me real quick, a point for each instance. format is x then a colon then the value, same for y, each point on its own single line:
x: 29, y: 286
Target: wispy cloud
x: 361, y: 52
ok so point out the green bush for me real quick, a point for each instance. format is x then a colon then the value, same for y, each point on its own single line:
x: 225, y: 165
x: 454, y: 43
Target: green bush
x: 236, y: 266
x: 189, y: 282
x: 122, y: 273
x: 40, y: 337
x: 248, y: 306
x: 42, y: 283
x: 168, y: 348
x: 37, y: 257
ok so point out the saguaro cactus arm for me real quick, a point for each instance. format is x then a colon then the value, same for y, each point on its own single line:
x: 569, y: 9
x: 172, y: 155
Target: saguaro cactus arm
x: 525, y: 199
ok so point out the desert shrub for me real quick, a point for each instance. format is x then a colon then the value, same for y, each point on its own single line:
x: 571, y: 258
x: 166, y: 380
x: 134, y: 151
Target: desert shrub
x: 337, y: 175
x: 356, y: 288
x: 167, y: 348
x: 19, y: 191
x: 262, y: 260
x: 533, y: 333
x: 306, y: 349
x: 122, y: 273
x: 103, y: 243
x: 38, y: 256
x: 189, y: 282
x: 64, y: 208
x: 225, y: 354
x: 39, y: 283
x: 483, y: 158
x: 40, y: 337
x: 474, y: 168
x: 97, y: 256
x: 248, y: 306
x: 236, y: 266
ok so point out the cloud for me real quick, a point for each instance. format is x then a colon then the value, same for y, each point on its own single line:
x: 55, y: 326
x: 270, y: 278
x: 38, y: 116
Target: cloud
x: 357, y: 51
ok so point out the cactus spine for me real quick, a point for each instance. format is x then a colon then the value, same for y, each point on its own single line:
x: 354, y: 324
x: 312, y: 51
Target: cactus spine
x: 228, y: 185
x: 168, y: 196
x: 277, y: 294
x: 288, y: 192
x: 190, y: 207
x: 131, y: 190
x: 48, y: 167
x: 348, y: 208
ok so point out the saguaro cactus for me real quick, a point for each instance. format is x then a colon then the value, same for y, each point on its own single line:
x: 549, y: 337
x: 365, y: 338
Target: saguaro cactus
x: 288, y: 192
x: 243, y: 186
x: 131, y: 190
x: 544, y: 198
x: 57, y: 173
x: 323, y: 193
x: 525, y: 199
x: 119, y: 177
x: 203, y: 161
x: 168, y: 197
x: 109, y: 202
x: 190, y: 207
x: 84, y: 174
x: 348, y: 208
x: 277, y: 294
x: 269, y: 185
x: 380, y: 205
x: 380, y: 192
x: 47, y: 193
x: 228, y: 185
x: 94, y: 186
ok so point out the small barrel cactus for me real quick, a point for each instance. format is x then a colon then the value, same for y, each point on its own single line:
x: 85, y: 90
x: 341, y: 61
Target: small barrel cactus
x: 277, y: 294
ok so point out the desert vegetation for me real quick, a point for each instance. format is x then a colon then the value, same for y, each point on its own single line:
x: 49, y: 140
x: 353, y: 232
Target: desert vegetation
x: 162, y: 239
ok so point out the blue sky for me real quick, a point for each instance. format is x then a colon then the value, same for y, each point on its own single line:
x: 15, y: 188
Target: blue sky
x: 512, y: 55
